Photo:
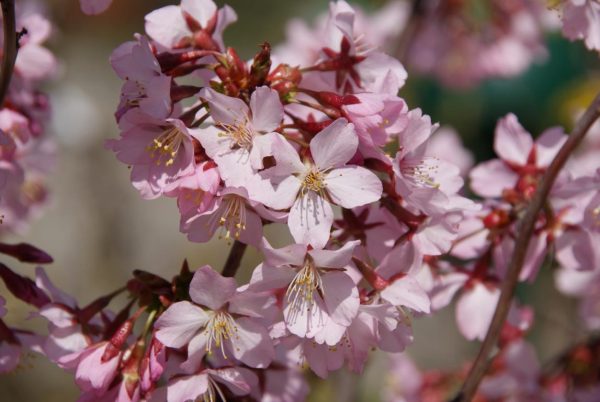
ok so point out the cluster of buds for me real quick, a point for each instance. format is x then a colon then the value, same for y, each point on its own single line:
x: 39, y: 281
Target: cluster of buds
x: 26, y: 154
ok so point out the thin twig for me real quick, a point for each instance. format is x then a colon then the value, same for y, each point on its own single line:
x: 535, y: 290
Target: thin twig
x: 525, y: 231
x: 9, y: 54
x: 234, y: 259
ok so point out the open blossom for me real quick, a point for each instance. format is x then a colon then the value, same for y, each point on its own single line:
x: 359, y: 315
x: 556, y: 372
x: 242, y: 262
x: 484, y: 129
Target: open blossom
x: 159, y: 151
x: 317, y: 289
x: 232, y: 215
x: 227, y: 324
x: 522, y: 159
x: 194, y: 23
x: 426, y: 183
x: 243, y: 135
x: 145, y: 85
x: 306, y: 187
x: 347, y: 64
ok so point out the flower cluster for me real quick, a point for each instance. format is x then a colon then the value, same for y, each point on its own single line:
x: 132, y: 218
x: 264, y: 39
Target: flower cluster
x: 311, y: 136
x: 26, y: 154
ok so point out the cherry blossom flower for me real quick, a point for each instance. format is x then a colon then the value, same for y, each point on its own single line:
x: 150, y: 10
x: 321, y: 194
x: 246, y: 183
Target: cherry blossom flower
x: 193, y: 23
x: 243, y: 135
x: 228, y: 325
x: 307, y: 187
x: 160, y: 151
x: 317, y: 289
x: 145, y: 85
x: 521, y: 159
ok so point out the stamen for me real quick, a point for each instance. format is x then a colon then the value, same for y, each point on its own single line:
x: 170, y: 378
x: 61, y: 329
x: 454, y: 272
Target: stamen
x: 240, y: 133
x: 219, y: 329
x: 232, y: 220
x: 301, y: 291
x: 163, y: 148
x: 313, y: 181
x: 421, y: 174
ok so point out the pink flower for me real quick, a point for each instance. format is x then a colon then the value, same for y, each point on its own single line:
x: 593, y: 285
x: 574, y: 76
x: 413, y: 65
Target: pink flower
x: 475, y: 308
x: 145, y: 85
x: 426, y: 183
x: 193, y: 23
x: 317, y: 289
x: 242, y: 135
x: 160, y: 152
x: 307, y: 187
x: 227, y: 326
x: 356, y: 67
x: 93, y: 7
x: 231, y: 214
x: 521, y: 159
x: 581, y: 20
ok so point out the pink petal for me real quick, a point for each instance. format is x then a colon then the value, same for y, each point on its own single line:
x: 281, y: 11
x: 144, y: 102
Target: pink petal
x: 167, y: 26
x: 334, y: 145
x: 306, y: 322
x: 407, y: 292
x: 239, y: 380
x: 266, y: 277
x: 179, y: 323
x: 511, y: 142
x: 341, y: 297
x: 294, y: 254
x: 267, y: 111
x: 225, y: 109
x: 310, y: 220
x: 252, y: 344
x: 489, y: 179
x: 353, y: 186
x: 184, y: 389
x: 200, y: 10
x: 334, y: 258
x: 548, y: 144
x: 208, y: 288
x: 474, y: 311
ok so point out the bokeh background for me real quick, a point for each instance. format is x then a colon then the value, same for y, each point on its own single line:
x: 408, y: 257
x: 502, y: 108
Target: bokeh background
x: 98, y: 229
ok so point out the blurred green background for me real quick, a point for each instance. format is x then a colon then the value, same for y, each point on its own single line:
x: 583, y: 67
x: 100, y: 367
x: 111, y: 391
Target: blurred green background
x: 98, y: 229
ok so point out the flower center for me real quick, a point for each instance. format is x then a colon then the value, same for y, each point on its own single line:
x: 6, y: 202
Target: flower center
x: 240, y: 133
x: 233, y: 217
x: 163, y: 148
x: 219, y: 329
x: 301, y: 291
x: 313, y: 181
x: 422, y: 174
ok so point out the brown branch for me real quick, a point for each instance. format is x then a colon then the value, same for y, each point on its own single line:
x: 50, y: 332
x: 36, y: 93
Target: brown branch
x: 525, y: 231
x: 9, y: 54
x: 234, y: 259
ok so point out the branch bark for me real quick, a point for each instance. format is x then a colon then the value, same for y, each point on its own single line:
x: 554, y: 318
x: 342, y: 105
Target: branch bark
x: 234, y: 259
x: 525, y: 232
x: 9, y: 54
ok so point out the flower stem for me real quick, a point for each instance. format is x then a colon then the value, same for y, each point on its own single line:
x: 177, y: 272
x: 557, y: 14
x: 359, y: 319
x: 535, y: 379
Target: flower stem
x: 525, y: 231
x: 10, y: 46
x: 234, y: 259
